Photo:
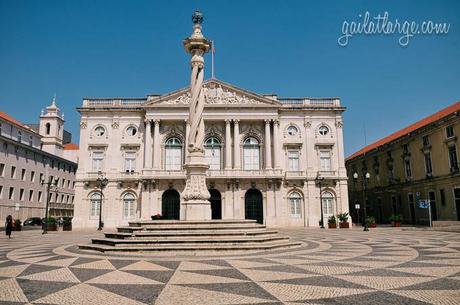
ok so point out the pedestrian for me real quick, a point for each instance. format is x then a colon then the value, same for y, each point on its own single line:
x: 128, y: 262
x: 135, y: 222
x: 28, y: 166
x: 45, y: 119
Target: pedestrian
x: 9, y: 225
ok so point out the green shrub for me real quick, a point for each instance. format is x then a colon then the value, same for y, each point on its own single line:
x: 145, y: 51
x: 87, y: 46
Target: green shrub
x: 343, y: 217
x: 51, y: 221
x: 332, y: 219
x: 370, y: 220
x: 396, y: 218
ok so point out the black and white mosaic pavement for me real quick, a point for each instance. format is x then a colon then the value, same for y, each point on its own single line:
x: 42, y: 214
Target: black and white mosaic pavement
x: 383, y: 266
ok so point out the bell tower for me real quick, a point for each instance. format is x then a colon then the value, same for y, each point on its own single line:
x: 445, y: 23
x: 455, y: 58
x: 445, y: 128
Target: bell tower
x: 52, y: 129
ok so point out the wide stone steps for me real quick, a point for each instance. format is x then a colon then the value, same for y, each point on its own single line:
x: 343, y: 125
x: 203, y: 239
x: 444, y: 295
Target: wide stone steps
x: 202, y: 233
x: 192, y: 249
x: 191, y: 237
x: 185, y: 240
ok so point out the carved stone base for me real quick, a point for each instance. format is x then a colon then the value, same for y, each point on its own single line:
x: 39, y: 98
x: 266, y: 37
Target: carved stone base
x: 195, y: 203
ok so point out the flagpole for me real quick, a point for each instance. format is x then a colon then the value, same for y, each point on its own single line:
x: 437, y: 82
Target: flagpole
x: 212, y: 59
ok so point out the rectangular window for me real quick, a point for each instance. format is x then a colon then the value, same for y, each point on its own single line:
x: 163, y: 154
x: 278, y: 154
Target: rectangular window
x: 62, y: 199
x: 23, y: 174
x: 408, y: 168
x: 68, y: 184
x: 21, y: 194
x: 32, y: 176
x: 450, y: 131
x: 98, y: 157
x: 293, y: 158
x: 39, y: 196
x: 428, y: 167
x: 31, y: 195
x: 426, y: 141
x: 13, y: 172
x: 2, y: 169
x: 63, y: 183
x: 251, y: 157
x: 1, y: 191
x: 130, y: 162
x: 56, y: 198
x: 325, y: 160
x: 453, y: 158
x: 443, y: 197
x: 11, y: 193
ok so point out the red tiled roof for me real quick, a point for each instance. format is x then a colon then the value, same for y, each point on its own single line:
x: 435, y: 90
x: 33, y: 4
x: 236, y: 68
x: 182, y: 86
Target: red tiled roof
x: 12, y: 120
x: 70, y: 146
x: 400, y: 133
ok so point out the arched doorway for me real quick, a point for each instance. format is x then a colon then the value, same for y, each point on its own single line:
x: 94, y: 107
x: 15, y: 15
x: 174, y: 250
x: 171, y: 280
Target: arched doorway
x: 170, y: 205
x: 216, y: 204
x: 253, y: 205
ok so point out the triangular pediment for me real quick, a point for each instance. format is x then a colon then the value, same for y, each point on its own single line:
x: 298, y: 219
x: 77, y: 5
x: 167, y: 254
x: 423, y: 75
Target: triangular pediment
x: 216, y: 93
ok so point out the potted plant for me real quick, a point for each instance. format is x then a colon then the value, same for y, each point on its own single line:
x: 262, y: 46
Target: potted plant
x: 67, y: 224
x: 157, y: 216
x: 396, y: 220
x: 51, y: 223
x: 17, y: 225
x: 370, y: 221
x: 343, y: 217
x: 332, y: 222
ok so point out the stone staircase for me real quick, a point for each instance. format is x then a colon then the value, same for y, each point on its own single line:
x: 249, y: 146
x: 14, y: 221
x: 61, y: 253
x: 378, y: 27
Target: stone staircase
x: 191, y: 237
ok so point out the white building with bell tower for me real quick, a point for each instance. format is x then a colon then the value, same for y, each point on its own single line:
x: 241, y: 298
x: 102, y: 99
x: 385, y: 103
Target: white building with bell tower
x: 52, y: 129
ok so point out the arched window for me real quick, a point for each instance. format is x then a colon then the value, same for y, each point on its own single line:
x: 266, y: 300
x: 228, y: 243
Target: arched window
x: 48, y: 128
x: 212, y: 152
x: 295, y: 203
x: 328, y: 204
x: 19, y: 136
x: 173, y: 154
x: 129, y: 206
x: 251, y: 152
x: 95, y: 203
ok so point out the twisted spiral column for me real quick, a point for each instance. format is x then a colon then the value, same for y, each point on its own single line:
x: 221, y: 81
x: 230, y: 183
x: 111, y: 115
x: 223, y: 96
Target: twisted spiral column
x: 197, y: 132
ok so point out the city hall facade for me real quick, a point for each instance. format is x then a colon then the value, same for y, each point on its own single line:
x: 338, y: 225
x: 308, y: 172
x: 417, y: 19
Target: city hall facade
x: 268, y: 157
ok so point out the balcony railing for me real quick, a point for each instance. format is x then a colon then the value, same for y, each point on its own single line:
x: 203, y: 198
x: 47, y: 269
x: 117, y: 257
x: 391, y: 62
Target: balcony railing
x: 326, y: 174
x: 114, y: 102
x: 294, y: 175
x: 328, y: 102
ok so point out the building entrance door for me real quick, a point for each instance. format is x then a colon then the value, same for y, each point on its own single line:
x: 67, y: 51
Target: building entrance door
x: 216, y: 204
x: 253, y: 205
x: 170, y: 205
x: 457, y: 202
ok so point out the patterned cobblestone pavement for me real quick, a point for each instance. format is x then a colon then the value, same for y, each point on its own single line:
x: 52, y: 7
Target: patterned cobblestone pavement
x: 384, y: 266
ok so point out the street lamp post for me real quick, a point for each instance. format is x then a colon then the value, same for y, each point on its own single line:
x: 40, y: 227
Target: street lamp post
x: 319, y: 182
x: 50, y: 183
x: 102, y: 183
x: 364, y: 182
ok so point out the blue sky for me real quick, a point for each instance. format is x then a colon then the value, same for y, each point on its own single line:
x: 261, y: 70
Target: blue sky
x: 102, y: 48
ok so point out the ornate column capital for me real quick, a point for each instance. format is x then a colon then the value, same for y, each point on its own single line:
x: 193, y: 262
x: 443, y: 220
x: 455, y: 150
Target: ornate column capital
x: 228, y: 121
x: 156, y: 121
x: 236, y: 121
x: 267, y: 121
x: 276, y: 122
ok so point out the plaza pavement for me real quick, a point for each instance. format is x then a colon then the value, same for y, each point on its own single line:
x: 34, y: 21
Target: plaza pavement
x: 384, y: 266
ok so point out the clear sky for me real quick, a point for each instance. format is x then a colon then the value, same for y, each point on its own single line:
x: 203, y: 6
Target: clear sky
x: 126, y: 48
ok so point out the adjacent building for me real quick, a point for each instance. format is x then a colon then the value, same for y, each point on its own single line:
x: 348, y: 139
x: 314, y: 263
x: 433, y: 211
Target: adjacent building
x: 269, y: 157
x: 415, y: 165
x: 32, y: 154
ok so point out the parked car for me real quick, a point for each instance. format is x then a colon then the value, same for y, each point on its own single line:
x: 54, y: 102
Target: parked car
x: 33, y: 221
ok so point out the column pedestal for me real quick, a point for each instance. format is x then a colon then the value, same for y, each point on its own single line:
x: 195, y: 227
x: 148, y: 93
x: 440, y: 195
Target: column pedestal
x: 195, y: 203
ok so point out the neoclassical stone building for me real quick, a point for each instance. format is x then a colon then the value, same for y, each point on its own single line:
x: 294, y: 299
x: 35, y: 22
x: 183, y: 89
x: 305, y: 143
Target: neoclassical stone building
x: 267, y: 155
